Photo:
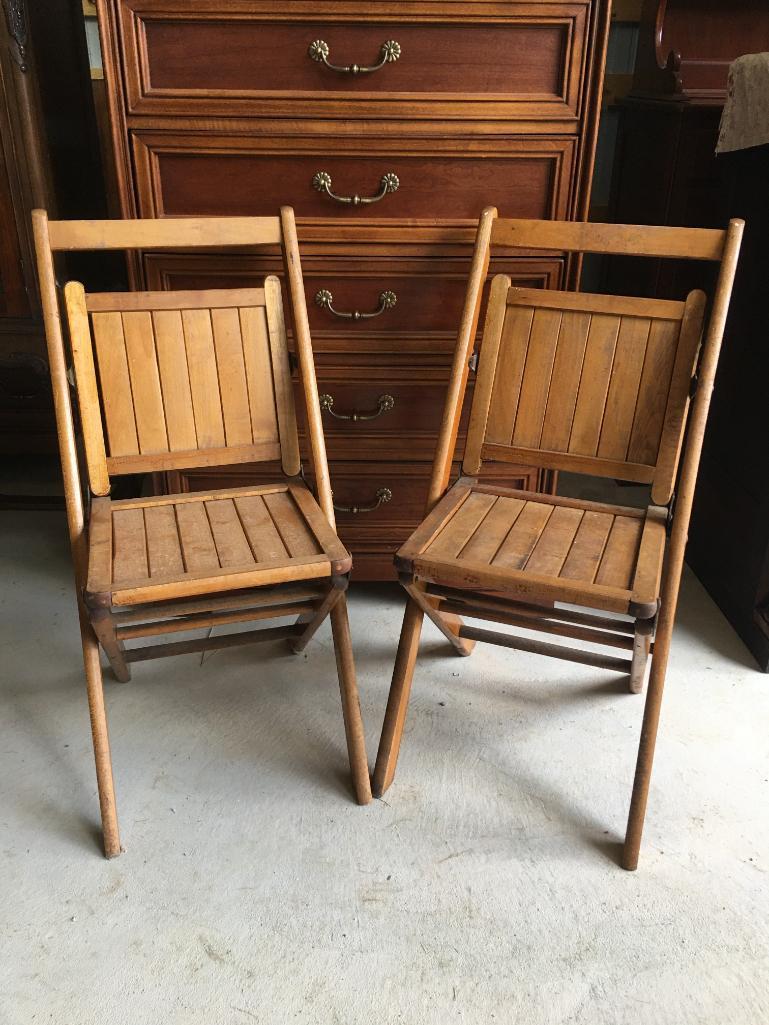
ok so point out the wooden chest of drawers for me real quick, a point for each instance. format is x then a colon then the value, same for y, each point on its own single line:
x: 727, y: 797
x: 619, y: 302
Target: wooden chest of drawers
x: 228, y: 106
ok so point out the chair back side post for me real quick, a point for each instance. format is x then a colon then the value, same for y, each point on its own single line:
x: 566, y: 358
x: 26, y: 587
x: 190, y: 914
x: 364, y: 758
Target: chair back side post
x: 304, y: 351
x: 468, y: 327
x: 73, y: 491
x: 687, y: 479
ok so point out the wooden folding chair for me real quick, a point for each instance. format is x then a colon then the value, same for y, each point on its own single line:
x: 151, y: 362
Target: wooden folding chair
x: 595, y: 384
x: 178, y: 379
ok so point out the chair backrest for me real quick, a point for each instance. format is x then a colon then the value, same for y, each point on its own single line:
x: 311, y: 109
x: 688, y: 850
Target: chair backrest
x: 595, y: 384
x: 168, y: 380
x: 177, y: 379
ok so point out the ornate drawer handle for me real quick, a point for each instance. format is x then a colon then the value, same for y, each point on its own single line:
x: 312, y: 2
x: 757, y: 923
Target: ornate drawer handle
x: 389, y: 52
x: 382, y: 496
x: 384, y: 404
x: 389, y: 182
x: 325, y: 300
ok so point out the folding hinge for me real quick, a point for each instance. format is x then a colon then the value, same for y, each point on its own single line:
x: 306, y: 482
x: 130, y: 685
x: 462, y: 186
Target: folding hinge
x: 671, y: 513
x: 473, y: 362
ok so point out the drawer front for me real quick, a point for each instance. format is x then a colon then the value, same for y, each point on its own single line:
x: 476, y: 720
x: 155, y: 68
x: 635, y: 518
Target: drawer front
x: 246, y: 175
x: 492, y: 60
x: 428, y: 293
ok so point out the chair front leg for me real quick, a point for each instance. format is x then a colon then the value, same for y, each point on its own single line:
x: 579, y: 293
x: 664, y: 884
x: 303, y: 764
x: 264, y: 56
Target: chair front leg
x: 642, y: 639
x: 398, y: 700
x: 353, y: 723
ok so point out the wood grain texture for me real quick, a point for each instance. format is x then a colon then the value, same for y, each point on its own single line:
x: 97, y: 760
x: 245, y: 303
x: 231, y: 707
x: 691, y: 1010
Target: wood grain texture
x: 182, y: 545
x: 585, y: 382
x: 481, y: 535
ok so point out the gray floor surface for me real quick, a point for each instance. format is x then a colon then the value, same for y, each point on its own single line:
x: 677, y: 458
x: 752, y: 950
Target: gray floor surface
x: 483, y: 888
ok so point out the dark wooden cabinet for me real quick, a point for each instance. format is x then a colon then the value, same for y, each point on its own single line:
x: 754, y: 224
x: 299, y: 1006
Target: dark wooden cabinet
x: 729, y: 533
x: 223, y: 108
x: 26, y: 410
x: 667, y: 172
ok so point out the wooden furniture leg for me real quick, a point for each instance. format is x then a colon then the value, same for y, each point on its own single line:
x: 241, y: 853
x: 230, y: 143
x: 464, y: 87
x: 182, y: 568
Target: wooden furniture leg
x: 397, y: 702
x: 641, y: 646
x: 449, y: 624
x: 648, y: 739
x: 100, y: 734
x: 353, y: 723
x: 312, y: 620
x: 104, y: 628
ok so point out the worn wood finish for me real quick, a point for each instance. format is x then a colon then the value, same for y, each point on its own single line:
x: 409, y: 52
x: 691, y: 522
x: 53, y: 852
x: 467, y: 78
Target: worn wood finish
x: 602, y: 383
x: 183, y: 379
x: 595, y: 384
x: 153, y: 549
x: 498, y: 538
x: 180, y: 379
x: 76, y: 529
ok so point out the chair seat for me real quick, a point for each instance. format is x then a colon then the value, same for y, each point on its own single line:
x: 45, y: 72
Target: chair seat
x: 153, y: 549
x: 541, y: 548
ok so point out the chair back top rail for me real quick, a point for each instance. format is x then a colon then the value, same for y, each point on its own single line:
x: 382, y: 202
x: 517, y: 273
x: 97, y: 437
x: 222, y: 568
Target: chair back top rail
x: 157, y: 233
x: 610, y: 239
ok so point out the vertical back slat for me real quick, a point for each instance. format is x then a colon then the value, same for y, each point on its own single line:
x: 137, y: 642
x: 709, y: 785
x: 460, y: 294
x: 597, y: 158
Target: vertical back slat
x: 87, y: 388
x: 511, y: 361
x: 623, y: 390
x: 678, y: 398
x: 204, y: 380
x: 653, y: 392
x: 594, y: 384
x: 537, y: 373
x: 496, y: 311
x: 564, y: 383
x: 145, y: 382
x: 228, y: 344
x: 261, y: 394
x: 174, y: 380
x: 115, y: 383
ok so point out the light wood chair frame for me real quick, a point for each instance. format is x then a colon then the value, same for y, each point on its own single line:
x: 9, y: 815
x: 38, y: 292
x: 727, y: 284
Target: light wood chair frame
x: 269, y: 594
x: 649, y: 630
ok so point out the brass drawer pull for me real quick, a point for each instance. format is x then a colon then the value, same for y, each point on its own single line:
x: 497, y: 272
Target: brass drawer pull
x: 389, y: 182
x: 384, y: 405
x: 389, y: 52
x: 325, y: 300
x: 382, y: 496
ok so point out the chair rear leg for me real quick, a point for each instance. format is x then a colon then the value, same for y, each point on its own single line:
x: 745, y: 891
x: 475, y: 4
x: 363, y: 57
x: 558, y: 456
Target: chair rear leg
x: 641, y: 646
x: 397, y: 702
x: 312, y: 620
x: 639, y: 799
x: 353, y: 723
x: 100, y: 735
x: 453, y: 623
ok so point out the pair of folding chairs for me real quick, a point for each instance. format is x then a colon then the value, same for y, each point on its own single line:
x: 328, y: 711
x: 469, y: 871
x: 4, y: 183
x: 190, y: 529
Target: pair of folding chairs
x: 590, y: 383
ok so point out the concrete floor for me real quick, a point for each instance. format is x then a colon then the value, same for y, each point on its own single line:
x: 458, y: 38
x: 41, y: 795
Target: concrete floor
x: 483, y: 888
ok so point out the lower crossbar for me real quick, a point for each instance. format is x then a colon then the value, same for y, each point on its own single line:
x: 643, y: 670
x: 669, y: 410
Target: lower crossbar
x: 275, y: 633
x: 588, y: 658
